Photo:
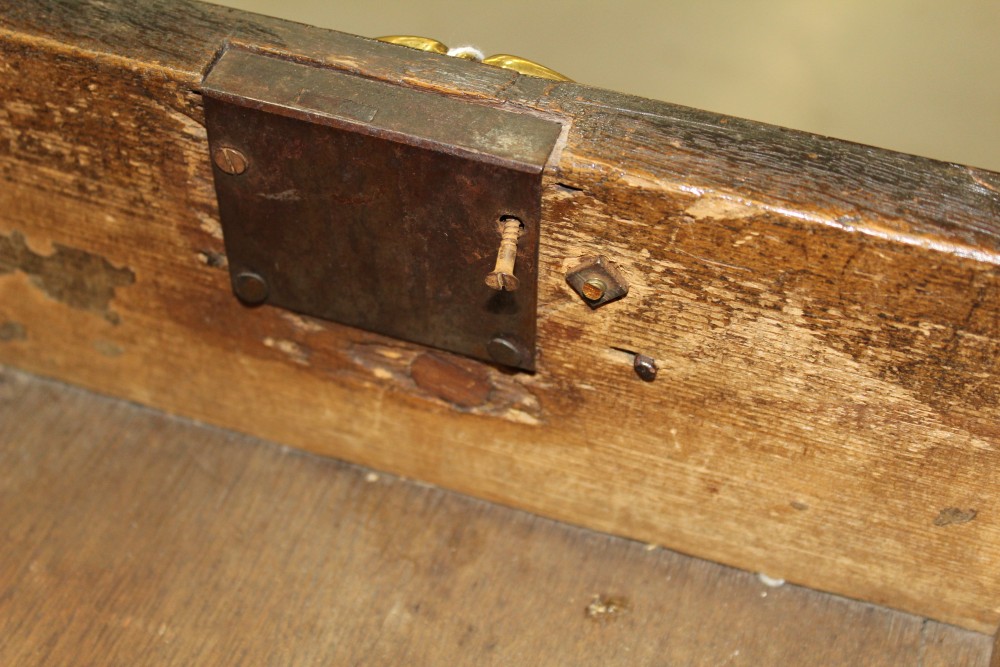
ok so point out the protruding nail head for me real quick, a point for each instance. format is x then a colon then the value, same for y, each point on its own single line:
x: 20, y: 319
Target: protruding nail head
x: 507, y: 351
x: 645, y: 367
x: 251, y: 288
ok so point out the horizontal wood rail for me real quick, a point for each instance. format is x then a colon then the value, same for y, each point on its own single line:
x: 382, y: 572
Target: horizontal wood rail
x: 136, y: 538
x: 825, y: 316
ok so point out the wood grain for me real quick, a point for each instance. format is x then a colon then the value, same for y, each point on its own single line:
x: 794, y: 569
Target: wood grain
x: 133, y: 538
x: 824, y: 315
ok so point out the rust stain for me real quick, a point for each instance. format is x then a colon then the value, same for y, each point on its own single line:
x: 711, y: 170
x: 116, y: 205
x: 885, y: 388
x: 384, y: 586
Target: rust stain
x: 74, y: 277
x: 457, y: 381
x: 954, y: 516
x: 11, y: 331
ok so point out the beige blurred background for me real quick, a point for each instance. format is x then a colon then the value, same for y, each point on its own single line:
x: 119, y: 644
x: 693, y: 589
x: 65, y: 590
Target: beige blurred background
x: 918, y: 76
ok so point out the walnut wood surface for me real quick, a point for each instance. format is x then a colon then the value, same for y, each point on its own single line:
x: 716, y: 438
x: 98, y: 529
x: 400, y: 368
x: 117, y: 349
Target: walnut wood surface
x: 133, y: 538
x: 824, y: 314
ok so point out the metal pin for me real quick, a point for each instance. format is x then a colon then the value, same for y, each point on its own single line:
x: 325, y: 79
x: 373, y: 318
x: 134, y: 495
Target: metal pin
x: 502, y: 277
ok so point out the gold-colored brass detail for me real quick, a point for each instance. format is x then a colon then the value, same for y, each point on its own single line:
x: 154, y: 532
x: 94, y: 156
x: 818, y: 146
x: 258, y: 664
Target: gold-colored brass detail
x: 504, y: 60
x: 593, y: 289
x: 524, y: 66
x: 414, y: 42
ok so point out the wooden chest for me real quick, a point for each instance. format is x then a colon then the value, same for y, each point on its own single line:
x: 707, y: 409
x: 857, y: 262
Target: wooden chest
x: 823, y: 317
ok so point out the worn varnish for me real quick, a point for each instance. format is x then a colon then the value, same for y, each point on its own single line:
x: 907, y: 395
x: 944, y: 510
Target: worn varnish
x: 132, y: 538
x: 824, y: 316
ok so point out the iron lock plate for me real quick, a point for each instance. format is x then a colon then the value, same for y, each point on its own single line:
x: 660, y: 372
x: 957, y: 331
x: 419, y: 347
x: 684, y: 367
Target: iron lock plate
x: 375, y: 205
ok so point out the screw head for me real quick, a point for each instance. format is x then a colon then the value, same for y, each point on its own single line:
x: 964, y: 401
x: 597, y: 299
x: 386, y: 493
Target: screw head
x: 229, y: 160
x: 593, y: 289
x: 250, y: 288
x: 645, y: 367
x: 501, y: 281
x: 507, y: 351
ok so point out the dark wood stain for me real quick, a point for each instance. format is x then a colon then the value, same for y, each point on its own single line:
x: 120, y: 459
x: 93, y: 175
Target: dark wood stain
x: 74, y: 277
x: 954, y: 515
x: 11, y: 331
x: 462, y: 382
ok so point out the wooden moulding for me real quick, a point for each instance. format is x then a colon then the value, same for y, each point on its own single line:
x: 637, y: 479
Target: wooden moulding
x: 824, y: 315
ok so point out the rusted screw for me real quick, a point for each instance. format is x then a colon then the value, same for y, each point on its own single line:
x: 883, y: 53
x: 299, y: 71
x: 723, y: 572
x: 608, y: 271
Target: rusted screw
x: 502, y: 277
x: 230, y: 160
x: 593, y: 289
x: 645, y: 367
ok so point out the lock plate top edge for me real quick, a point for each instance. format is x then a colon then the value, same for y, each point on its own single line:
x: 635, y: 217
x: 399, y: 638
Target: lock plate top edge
x: 325, y: 96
